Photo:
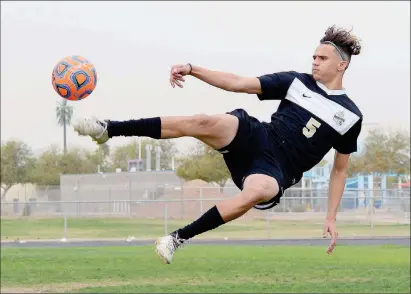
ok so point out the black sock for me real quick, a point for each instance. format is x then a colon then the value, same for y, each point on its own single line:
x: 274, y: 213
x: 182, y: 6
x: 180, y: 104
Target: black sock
x: 145, y: 127
x: 208, y: 221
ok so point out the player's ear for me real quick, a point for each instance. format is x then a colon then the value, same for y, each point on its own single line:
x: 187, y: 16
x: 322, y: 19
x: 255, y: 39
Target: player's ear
x: 342, y: 65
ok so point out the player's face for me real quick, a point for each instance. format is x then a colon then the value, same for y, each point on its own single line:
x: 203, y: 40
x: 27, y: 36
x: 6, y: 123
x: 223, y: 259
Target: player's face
x: 326, y: 62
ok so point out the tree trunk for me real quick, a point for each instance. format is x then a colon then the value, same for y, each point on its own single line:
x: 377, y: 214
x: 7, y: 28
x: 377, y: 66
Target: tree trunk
x: 5, y: 188
x: 65, y: 135
x: 222, y: 185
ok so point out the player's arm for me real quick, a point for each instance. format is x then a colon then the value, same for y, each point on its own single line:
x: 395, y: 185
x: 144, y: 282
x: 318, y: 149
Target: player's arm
x: 267, y: 87
x: 335, y: 192
x: 337, y: 184
x: 227, y: 81
x: 346, y: 145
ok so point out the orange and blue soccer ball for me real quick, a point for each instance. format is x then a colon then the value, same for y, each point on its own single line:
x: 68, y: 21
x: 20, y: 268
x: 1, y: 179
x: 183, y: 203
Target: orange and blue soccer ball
x: 74, y: 78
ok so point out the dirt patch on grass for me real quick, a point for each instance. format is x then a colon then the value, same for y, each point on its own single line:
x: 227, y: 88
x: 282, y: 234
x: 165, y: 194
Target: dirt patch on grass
x: 64, y: 287
x: 75, y: 286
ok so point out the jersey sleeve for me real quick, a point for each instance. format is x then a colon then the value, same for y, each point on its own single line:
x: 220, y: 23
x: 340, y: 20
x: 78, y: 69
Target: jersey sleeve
x: 348, y: 143
x: 275, y: 86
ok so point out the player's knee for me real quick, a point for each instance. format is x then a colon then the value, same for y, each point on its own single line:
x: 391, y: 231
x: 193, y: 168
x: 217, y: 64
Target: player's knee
x: 259, y: 188
x: 203, y: 124
x: 216, y: 130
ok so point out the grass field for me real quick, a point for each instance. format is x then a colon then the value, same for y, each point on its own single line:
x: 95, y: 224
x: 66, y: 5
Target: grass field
x: 78, y: 228
x: 207, y: 269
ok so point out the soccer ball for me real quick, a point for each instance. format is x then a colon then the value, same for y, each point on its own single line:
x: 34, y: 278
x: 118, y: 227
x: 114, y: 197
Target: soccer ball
x: 74, y: 78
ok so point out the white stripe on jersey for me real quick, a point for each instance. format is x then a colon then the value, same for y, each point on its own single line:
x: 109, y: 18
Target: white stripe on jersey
x: 335, y: 115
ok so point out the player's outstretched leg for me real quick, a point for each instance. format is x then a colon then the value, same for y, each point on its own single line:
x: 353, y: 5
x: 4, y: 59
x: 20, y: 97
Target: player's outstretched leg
x: 257, y: 188
x: 216, y: 131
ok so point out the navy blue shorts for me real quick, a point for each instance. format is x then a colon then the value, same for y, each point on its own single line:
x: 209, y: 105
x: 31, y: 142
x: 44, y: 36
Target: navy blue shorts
x: 254, y: 150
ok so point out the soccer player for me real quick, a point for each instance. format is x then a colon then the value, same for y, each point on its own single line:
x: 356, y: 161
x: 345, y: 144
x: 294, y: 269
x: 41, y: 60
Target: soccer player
x: 264, y: 158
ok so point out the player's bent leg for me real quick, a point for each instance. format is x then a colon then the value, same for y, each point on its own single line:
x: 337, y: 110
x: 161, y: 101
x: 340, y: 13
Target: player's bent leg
x: 216, y: 131
x: 257, y: 188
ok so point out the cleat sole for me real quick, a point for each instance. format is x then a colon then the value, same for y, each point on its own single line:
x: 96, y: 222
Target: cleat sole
x: 160, y: 256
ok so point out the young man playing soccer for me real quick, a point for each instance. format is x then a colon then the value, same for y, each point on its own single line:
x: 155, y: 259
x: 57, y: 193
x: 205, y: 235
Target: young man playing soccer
x: 264, y: 158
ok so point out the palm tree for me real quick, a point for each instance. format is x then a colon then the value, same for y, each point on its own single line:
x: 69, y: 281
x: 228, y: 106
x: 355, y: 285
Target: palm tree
x: 105, y: 148
x: 64, y: 114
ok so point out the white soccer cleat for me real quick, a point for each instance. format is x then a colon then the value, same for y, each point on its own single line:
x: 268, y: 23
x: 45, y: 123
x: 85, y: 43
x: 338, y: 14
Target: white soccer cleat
x: 166, y: 247
x: 93, y: 127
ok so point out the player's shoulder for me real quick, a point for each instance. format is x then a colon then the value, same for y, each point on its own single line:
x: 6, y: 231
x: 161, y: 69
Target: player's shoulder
x: 305, y: 78
x: 341, y: 98
x: 350, y: 105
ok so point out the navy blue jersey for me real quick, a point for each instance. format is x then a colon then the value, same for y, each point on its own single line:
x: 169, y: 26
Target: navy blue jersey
x: 310, y: 119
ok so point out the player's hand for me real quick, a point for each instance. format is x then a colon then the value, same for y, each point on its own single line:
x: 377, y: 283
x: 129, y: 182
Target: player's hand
x: 177, y: 73
x: 330, y: 228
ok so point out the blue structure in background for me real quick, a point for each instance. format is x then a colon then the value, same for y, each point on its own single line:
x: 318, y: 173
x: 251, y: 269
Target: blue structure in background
x: 358, y: 190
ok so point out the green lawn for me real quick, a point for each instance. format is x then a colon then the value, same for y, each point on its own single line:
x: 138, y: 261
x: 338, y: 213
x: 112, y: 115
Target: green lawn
x: 53, y: 228
x: 207, y: 269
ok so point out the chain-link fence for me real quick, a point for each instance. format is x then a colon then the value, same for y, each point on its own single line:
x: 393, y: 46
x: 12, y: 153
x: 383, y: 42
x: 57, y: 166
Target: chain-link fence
x: 117, y: 212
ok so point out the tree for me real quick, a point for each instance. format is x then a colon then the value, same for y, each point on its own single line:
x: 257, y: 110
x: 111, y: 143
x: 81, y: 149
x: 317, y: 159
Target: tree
x: 384, y: 152
x: 103, y: 153
x: 120, y: 155
x: 80, y: 161
x: 47, y: 169
x: 205, y: 164
x: 51, y: 164
x: 399, y: 153
x: 105, y: 149
x: 64, y: 114
x: 97, y: 158
x: 356, y: 165
x: 17, y: 161
x: 168, y: 151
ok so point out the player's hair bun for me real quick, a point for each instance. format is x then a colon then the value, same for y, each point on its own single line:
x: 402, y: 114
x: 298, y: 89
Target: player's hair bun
x: 348, y: 42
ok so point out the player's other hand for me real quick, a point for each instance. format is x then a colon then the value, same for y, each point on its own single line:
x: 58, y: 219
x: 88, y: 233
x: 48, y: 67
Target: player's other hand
x: 177, y: 73
x: 330, y: 228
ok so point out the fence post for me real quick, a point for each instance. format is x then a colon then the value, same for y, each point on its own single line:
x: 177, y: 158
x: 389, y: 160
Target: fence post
x: 65, y: 227
x: 165, y: 218
x: 110, y: 204
x: 267, y: 217
x: 311, y: 199
x: 128, y: 205
x: 372, y: 210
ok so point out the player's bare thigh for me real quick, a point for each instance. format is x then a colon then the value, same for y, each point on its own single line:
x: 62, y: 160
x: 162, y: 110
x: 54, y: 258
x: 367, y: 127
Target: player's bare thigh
x: 260, y: 188
x: 257, y: 188
x: 217, y: 131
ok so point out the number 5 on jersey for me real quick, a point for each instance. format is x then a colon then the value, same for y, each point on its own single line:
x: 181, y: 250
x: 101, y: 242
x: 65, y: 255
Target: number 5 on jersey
x: 311, y: 127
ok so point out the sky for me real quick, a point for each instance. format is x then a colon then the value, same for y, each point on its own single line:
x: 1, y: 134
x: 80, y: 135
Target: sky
x: 134, y: 44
